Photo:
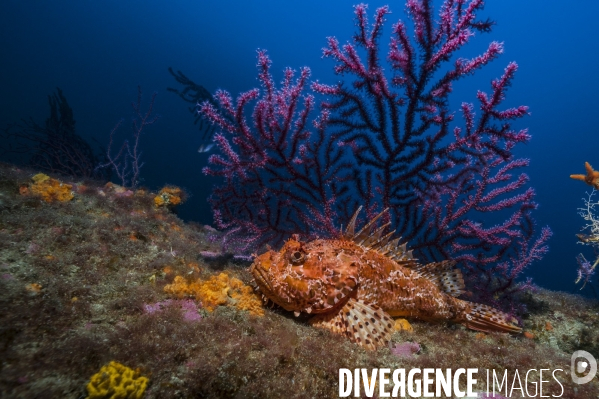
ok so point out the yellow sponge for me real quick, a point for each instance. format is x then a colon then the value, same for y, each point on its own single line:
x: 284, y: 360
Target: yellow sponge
x: 402, y: 325
x: 116, y: 381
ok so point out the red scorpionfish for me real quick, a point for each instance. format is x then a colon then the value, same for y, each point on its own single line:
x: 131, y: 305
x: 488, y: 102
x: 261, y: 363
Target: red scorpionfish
x: 353, y: 285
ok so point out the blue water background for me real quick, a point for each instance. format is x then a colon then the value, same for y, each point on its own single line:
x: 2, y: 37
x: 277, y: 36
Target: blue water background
x: 98, y: 52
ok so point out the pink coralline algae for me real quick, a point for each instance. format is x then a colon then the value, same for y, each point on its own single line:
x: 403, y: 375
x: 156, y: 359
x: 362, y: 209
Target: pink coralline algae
x: 32, y: 248
x: 188, y: 308
x: 385, y: 137
x: 405, y: 349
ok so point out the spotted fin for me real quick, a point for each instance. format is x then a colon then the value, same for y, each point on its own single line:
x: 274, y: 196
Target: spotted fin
x: 364, y: 324
x: 444, y: 275
x: 488, y: 319
x: 372, y: 237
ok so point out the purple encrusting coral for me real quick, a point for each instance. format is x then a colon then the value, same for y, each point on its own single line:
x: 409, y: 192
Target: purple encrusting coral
x: 188, y: 308
x: 385, y: 137
x: 32, y: 248
x: 405, y: 349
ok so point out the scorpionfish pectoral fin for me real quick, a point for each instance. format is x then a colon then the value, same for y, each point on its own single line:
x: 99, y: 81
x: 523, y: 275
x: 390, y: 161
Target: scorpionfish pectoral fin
x: 364, y: 324
x: 488, y: 319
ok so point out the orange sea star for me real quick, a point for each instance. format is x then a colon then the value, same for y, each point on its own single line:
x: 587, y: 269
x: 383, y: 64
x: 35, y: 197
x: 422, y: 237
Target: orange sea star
x: 591, y: 178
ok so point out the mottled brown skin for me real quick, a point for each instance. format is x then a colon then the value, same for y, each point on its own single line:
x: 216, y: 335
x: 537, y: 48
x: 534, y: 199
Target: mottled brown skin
x: 312, y: 278
x: 400, y: 291
x: 322, y: 275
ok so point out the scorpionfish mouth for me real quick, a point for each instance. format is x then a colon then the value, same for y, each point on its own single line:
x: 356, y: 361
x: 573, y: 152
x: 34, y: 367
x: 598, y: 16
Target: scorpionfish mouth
x: 260, y: 271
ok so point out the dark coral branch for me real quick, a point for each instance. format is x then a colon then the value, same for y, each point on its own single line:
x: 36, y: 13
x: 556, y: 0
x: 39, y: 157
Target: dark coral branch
x: 193, y: 93
x: 55, y: 146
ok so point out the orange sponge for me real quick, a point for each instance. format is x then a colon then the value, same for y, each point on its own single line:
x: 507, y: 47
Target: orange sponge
x: 169, y: 196
x: 218, y: 290
x: 51, y: 189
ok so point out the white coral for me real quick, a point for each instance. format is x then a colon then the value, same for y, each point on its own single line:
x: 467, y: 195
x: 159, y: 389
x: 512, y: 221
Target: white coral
x: 589, y: 214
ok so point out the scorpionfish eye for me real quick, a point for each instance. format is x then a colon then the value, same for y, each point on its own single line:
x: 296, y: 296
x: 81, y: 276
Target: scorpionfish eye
x: 297, y: 257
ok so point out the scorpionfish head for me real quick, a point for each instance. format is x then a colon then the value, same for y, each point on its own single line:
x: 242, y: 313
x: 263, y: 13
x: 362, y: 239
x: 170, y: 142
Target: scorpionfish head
x: 312, y: 278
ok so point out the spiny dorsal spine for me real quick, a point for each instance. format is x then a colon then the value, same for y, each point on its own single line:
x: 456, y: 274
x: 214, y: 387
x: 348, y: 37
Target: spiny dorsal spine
x: 372, y: 238
x: 443, y: 274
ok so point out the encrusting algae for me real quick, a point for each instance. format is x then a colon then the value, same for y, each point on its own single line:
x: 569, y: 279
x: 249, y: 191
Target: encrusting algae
x: 116, y: 381
x: 218, y: 290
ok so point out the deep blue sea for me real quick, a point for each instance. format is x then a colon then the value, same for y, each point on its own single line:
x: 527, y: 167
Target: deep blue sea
x: 99, y: 52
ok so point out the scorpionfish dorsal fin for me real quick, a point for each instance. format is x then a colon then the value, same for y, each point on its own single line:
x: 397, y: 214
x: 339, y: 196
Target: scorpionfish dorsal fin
x: 364, y: 324
x: 444, y: 275
x: 372, y: 237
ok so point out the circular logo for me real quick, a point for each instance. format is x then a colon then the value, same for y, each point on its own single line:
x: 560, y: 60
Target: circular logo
x: 582, y: 366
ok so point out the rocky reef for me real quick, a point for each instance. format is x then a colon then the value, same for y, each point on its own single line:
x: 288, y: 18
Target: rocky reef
x: 98, y: 274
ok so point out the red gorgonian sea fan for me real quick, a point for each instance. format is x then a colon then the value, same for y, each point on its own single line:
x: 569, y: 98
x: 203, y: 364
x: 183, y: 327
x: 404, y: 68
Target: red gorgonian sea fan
x: 385, y: 137
x: 282, y: 172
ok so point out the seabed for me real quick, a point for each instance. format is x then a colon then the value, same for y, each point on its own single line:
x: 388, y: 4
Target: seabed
x: 111, y: 275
